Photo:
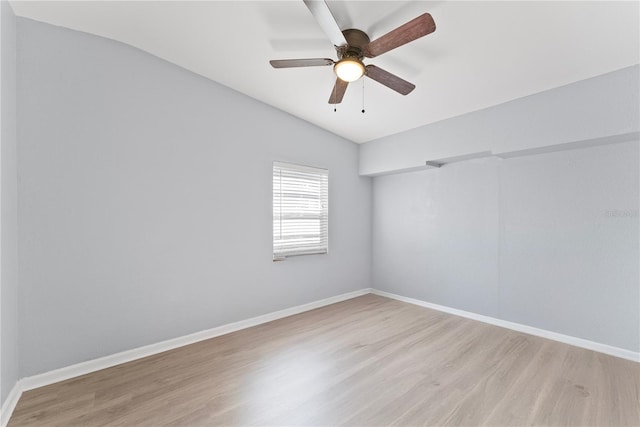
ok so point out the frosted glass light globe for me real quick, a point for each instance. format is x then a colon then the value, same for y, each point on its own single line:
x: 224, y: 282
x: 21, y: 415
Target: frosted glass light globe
x: 349, y: 69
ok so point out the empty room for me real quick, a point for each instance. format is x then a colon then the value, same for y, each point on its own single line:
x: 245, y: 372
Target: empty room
x: 319, y: 213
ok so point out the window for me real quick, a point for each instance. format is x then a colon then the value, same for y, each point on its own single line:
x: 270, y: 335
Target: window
x: 300, y: 210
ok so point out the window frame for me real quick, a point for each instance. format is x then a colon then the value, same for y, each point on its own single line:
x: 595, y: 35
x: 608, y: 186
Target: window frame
x: 280, y: 249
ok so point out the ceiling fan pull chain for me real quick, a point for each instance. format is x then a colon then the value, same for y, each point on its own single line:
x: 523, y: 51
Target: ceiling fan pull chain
x: 335, y: 103
x: 362, y: 95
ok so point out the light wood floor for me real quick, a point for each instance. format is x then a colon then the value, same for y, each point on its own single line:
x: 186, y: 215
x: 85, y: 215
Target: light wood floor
x: 366, y: 361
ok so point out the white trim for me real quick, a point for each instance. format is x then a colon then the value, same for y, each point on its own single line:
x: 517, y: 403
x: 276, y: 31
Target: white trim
x: 89, y: 366
x: 10, y: 403
x: 567, y: 339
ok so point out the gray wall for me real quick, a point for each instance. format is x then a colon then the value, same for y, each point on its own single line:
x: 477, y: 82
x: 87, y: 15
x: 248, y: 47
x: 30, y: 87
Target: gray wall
x: 9, y: 369
x: 548, y: 240
x: 145, y: 202
x: 600, y: 107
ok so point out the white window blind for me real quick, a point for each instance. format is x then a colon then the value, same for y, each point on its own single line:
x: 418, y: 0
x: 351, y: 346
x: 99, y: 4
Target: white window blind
x: 300, y: 210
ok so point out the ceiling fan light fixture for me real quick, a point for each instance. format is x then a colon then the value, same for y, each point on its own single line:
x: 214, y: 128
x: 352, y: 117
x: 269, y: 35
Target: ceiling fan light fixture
x: 349, y: 69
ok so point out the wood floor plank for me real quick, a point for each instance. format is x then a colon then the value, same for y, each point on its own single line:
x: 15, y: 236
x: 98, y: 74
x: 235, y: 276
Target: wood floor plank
x: 366, y: 361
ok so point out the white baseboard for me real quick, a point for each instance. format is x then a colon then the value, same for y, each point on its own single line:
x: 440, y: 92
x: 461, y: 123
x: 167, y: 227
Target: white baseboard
x: 10, y: 403
x: 89, y: 366
x: 567, y: 339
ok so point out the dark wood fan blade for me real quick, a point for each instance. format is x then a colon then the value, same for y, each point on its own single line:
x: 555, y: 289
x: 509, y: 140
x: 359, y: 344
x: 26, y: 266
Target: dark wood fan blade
x: 412, y: 30
x: 389, y: 80
x: 337, y: 93
x: 327, y: 22
x: 291, y: 63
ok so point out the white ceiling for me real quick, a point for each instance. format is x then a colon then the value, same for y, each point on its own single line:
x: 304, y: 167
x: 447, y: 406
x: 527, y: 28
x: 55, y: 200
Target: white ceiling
x: 482, y: 53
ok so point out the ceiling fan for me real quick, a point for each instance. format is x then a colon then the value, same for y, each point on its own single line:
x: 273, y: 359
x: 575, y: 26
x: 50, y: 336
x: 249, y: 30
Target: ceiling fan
x: 353, y: 45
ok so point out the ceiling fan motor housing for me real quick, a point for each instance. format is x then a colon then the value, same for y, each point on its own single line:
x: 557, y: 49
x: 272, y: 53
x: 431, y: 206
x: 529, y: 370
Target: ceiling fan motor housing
x: 356, y: 41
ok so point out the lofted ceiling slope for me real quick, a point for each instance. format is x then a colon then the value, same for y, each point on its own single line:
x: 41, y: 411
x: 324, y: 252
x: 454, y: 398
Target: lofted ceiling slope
x: 482, y: 53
